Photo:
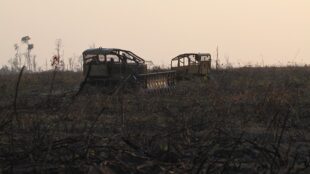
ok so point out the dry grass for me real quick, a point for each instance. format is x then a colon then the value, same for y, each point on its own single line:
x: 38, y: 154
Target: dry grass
x: 247, y: 120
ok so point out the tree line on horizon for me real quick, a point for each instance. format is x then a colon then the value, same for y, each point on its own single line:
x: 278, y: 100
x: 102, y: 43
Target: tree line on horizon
x: 24, y: 57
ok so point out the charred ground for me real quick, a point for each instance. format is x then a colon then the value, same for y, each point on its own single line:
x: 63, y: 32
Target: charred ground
x: 246, y: 120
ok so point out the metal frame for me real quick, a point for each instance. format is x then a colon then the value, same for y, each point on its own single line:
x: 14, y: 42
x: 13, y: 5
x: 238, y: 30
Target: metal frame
x: 191, y: 60
x: 123, y: 55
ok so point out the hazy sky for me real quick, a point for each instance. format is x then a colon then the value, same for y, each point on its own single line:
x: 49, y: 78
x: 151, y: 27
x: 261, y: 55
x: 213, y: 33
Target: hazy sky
x: 246, y: 31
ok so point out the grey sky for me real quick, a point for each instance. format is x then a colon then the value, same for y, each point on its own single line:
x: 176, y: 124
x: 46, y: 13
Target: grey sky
x: 277, y: 31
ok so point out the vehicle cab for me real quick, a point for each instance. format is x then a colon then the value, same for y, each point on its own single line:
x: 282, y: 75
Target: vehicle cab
x: 111, y: 64
x: 192, y: 63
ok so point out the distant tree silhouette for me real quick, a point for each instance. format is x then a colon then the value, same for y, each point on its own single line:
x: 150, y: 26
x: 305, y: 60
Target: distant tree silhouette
x: 28, y: 61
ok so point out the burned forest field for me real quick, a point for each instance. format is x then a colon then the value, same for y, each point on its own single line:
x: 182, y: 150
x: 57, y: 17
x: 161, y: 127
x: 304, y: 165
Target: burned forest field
x: 242, y: 120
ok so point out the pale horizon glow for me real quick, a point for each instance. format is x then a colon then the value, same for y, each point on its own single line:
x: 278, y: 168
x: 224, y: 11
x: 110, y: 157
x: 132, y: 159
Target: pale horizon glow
x: 265, y: 32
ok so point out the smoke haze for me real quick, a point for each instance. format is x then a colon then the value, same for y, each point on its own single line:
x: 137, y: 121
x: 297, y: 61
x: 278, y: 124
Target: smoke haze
x: 246, y: 31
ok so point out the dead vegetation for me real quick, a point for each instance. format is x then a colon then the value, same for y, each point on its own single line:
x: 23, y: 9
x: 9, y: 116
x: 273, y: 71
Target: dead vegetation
x: 247, y: 120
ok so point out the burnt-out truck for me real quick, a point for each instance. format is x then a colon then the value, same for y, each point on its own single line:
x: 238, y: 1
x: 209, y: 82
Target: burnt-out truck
x: 112, y: 67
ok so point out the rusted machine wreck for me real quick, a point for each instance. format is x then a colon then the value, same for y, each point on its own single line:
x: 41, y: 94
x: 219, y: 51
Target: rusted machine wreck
x: 111, y: 67
x: 190, y: 64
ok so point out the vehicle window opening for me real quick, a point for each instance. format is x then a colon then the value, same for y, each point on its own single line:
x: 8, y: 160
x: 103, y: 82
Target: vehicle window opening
x: 112, y: 58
